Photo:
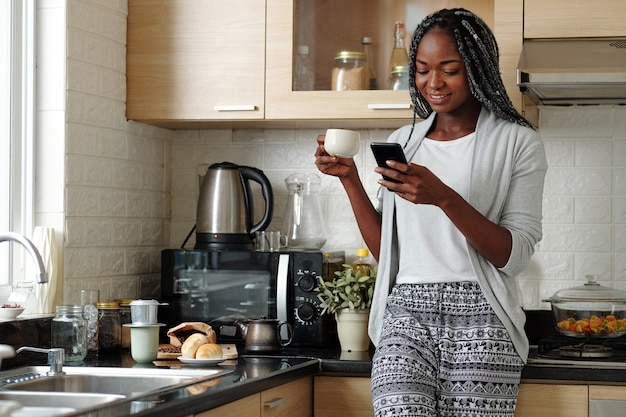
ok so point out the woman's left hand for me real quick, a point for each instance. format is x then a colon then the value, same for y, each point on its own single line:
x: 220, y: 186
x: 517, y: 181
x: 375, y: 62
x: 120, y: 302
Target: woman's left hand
x: 417, y: 183
x: 420, y: 186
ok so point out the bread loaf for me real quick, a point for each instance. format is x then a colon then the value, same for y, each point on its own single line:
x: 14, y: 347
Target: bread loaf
x: 209, y: 351
x: 191, y: 345
x: 180, y: 333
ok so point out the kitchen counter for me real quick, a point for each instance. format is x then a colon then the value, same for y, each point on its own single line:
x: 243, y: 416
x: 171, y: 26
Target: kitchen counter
x: 256, y: 373
x: 252, y: 374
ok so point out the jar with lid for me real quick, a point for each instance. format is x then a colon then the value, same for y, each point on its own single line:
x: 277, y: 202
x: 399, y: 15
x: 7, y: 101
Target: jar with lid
x: 400, y: 78
x: 350, y: 72
x: 110, y: 327
x: 69, y: 331
x: 125, y: 318
x: 363, y: 262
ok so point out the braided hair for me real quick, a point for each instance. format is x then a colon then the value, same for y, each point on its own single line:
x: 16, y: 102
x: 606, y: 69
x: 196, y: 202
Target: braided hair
x: 479, y: 50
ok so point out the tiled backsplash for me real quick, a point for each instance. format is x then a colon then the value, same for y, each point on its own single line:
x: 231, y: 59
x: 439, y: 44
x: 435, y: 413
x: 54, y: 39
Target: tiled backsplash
x: 584, y: 203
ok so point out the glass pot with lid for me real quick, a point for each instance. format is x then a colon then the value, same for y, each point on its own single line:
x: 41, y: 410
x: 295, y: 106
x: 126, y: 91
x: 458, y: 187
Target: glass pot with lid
x: 589, y: 310
x: 303, y: 221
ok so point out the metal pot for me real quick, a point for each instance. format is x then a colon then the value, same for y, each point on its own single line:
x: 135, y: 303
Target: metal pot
x: 590, y: 310
x: 263, y: 335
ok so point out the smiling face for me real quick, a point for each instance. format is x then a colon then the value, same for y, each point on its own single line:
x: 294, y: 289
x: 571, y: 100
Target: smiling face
x: 441, y: 76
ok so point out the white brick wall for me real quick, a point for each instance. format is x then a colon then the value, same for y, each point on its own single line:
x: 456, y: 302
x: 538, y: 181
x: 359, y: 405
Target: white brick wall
x: 102, y: 183
x: 584, y: 203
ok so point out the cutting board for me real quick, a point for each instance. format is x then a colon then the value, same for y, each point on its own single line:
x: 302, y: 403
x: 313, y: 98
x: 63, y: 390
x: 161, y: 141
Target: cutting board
x: 229, y: 349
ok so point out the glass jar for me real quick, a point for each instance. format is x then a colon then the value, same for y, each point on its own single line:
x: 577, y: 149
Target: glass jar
x: 350, y: 72
x: 109, y: 327
x: 69, y: 331
x: 125, y: 318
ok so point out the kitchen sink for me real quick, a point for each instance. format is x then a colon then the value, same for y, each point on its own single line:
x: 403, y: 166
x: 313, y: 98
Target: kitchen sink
x: 127, y: 382
x: 55, y: 403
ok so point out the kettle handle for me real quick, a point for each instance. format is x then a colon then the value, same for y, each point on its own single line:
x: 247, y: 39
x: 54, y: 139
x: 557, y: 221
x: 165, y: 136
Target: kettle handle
x: 256, y: 175
x: 289, y: 333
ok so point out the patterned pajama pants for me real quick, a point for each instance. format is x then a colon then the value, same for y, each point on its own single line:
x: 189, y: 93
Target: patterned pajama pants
x: 444, y: 353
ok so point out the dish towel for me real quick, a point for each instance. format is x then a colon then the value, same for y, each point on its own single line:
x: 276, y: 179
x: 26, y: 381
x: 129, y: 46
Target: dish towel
x: 44, y: 239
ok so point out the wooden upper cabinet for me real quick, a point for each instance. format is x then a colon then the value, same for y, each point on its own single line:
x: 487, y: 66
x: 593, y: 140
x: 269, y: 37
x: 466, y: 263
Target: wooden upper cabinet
x: 192, y: 63
x: 331, y: 26
x: 195, y: 60
x: 574, y: 18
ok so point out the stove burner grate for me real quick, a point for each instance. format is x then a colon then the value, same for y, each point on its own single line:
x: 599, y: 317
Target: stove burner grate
x: 585, y: 351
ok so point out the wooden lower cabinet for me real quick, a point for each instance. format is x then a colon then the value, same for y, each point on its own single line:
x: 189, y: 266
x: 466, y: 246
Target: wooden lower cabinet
x: 342, y: 396
x: 332, y: 396
x: 552, y: 400
x: 294, y: 399
x: 248, y: 406
x: 351, y: 397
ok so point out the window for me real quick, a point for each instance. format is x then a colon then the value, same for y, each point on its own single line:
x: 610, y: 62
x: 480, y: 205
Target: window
x: 17, y: 37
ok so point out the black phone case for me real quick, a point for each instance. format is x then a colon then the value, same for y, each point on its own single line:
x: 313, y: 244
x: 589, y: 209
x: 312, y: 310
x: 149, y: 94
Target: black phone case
x: 384, y: 151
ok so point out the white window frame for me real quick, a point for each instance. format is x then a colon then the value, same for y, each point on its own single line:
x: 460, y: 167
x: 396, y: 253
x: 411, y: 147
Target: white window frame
x: 17, y: 126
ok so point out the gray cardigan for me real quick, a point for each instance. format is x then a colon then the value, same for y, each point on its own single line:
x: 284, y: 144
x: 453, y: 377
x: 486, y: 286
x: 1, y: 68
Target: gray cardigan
x: 506, y: 186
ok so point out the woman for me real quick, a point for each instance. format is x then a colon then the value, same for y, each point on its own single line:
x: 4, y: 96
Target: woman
x: 451, y: 236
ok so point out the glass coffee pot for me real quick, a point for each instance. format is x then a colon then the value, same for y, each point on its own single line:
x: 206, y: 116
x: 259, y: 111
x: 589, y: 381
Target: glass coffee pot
x: 303, y: 221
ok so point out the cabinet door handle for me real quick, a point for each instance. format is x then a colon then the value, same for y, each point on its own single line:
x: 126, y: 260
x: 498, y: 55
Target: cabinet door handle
x: 388, y: 106
x: 274, y: 403
x: 235, y: 108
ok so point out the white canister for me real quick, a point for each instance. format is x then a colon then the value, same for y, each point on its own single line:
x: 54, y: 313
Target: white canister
x: 144, y: 341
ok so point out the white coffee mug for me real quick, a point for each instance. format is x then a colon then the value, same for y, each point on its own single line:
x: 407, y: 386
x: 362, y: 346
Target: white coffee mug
x: 342, y: 143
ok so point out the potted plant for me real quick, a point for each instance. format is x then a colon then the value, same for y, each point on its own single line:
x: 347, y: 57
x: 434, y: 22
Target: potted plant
x: 348, y: 295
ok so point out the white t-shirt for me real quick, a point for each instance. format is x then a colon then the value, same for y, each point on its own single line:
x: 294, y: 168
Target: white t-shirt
x: 431, y: 248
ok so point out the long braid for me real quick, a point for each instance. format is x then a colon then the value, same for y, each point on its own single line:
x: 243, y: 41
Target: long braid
x: 479, y: 50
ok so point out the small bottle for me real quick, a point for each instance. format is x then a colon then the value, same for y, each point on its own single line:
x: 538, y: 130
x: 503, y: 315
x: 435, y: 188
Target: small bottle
x: 366, y: 42
x: 304, y: 78
x: 110, y: 327
x: 400, y: 78
x: 363, y: 262
x: 333, y: 262
x: 69, y: 331
x: 399, y: 56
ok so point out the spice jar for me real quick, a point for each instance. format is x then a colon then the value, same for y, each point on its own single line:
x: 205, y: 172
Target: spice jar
x: 69, y: 331
x: 110, y: 327
x: 350, y: 72
x: 125, y: 318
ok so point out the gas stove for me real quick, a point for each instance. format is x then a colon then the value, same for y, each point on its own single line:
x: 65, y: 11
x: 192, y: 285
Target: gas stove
x: 559, y: 350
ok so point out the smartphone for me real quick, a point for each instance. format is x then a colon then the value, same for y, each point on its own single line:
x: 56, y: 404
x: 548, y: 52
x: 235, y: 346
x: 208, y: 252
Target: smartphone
x: 385, y: 151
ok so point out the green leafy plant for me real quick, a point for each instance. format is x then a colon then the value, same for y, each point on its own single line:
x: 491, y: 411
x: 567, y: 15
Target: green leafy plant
x: 349, y: 288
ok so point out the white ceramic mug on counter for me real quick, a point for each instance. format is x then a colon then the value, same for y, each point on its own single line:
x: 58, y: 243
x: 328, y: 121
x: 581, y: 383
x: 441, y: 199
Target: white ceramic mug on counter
x: 342, y: 143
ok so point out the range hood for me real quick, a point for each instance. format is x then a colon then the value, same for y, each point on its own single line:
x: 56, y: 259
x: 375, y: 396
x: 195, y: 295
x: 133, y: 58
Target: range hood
x: 573, y: 71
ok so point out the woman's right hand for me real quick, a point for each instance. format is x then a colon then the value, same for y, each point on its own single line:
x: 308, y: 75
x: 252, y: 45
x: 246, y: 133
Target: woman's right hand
x: 332, y: 165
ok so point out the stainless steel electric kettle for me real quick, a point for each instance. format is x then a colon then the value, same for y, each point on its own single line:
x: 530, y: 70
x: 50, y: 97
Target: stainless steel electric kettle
x: 224, y: 219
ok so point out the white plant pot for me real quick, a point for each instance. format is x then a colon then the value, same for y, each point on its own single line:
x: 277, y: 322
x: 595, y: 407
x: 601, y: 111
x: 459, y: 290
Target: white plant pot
x: 352, y: 329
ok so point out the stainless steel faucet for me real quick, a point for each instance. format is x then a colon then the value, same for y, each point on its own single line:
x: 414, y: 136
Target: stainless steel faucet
x: 56, y: 357
x: 42, y: 277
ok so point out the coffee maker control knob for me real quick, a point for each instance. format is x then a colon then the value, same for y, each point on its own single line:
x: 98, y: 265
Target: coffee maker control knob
x: 307, y: 282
